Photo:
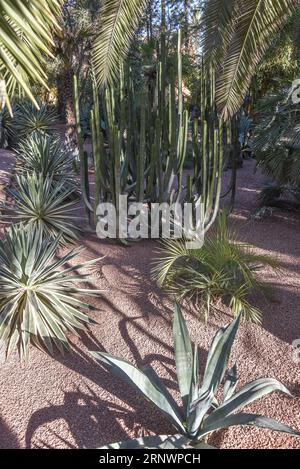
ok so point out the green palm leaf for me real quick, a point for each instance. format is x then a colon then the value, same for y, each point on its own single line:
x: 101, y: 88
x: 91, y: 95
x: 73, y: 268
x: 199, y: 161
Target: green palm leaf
x: 25, y: 42
x: 119, y: 20
x: 240, y: 40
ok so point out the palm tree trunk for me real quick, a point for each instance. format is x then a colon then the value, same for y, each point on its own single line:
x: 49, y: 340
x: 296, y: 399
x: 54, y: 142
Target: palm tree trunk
x: 66, y: 101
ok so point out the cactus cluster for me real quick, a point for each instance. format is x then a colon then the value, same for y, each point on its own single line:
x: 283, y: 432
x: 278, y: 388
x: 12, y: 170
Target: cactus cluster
x: 140, y: 135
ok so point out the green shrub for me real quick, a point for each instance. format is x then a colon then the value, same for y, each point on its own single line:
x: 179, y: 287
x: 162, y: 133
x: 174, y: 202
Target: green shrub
x: 202, y: 412
x: 39, y: 203
x: 222, y: 269
x: 38, y: 299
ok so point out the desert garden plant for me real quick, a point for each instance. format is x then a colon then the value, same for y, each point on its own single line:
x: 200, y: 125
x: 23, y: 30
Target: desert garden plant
x: 202, y: 412
x: 39, y: 203
x: 29, y: 120
x: 223, y: 269
x: 46, y: 155
x: 38, y: 297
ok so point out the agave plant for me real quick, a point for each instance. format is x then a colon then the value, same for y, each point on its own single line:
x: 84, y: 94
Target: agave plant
x: 201, y: 413
x: 45, y: 155
x: 38, y: 298
x: 30, y: 120
x: 223, y: 269
x: 39, y: 203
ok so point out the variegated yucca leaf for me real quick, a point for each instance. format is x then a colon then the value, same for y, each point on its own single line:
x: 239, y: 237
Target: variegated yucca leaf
x: 202, y: 413
x: 43, y: 204
x: 45, y: 155
x: 39, y: 299
x: 29, y: 120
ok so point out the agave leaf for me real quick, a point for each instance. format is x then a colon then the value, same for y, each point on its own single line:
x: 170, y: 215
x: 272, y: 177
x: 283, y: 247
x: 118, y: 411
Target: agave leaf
x: 183, y: 356
x: 218, y: 356
x: 230, y: 383
x: 159, y: 441
x: 246, y: 419
x: 198, y: 410
x: 247, y: 394
x: 143, y: 383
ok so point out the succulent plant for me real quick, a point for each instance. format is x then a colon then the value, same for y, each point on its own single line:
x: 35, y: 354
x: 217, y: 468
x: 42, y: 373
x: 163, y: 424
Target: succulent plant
x: 201, y: 413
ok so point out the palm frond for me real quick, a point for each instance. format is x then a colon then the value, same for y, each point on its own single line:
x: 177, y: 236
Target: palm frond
x: 119, y: 20
x: 256, y: 25
x: 222, y: 269
x: 25, y: 41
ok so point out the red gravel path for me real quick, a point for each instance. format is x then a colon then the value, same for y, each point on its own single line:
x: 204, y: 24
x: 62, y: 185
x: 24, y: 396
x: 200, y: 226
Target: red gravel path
x: 72, y: 402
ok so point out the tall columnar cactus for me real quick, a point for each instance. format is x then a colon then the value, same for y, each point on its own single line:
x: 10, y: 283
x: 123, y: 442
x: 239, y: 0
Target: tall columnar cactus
x: 83, y: 157
x: 209, y: 145
x: 141, y: 149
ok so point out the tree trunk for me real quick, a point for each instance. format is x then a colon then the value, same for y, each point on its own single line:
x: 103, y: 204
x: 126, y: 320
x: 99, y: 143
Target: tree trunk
x: 66, y: 102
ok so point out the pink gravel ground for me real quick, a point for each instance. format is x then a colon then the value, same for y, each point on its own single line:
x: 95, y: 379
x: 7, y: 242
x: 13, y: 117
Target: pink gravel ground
x: 72, y: 402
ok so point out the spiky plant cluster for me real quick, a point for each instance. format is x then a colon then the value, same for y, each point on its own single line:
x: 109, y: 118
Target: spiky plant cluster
x: 222, y: 269
x: 39, y: 204
x: 30, y: 120
x: 38, y: 294
x: 45, y: 155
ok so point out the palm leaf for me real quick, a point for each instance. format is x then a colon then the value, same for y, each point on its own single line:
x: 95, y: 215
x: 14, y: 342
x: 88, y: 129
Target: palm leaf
x: 119, y: 20
x: 256, y: 25
x: 25, y: 42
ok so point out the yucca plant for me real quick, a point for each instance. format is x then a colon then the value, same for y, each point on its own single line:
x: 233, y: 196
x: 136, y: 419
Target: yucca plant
x: 202, y: 412
x: 7, y: 133
x: 38, y: 202
x: 45, y: 155
x: 38, y: 294
x: 30, y: 120
x: 223, y: 269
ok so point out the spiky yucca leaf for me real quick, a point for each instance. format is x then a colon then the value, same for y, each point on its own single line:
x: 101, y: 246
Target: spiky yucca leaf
x: 38, y: 297
x: 202, y: 414
x: 30, y: 120
x: 42, y: 204
x: 119, y: 20
x: 25, y: 42
x: 222, y: 269
x: 45, y: 155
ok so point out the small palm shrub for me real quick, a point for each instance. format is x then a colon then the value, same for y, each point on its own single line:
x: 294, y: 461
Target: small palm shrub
x: 38, y: 298
x: 30, y: 120
x: 39, y: 203
x: 223, y: 269
x: 47, y: 156
x: 201, y: 413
